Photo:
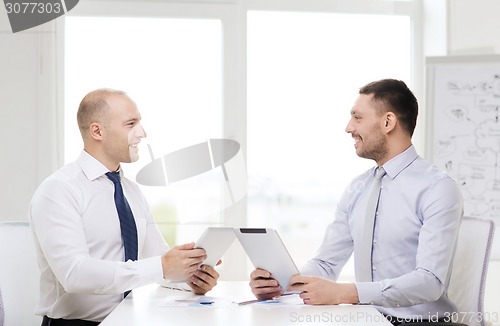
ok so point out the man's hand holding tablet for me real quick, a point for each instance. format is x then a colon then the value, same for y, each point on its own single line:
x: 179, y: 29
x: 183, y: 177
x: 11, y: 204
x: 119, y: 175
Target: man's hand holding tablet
x: 313, y: 290
x: 264, y: 287
x: 274, y: 265
x: 215, y: 242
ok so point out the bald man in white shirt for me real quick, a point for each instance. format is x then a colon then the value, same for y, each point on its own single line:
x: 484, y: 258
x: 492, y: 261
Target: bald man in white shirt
x: 77, y: 230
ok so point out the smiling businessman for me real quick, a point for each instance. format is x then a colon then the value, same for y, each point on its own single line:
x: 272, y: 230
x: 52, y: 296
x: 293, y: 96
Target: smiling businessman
x: 94, y: 234
x: 402, y: 226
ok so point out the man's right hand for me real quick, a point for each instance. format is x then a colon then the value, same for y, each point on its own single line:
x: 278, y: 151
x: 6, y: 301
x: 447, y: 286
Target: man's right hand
x: 263, y: 286
x: 180, y: 262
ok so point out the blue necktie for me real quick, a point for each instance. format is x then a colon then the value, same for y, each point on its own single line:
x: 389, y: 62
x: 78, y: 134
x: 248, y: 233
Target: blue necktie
x: 127, y: 222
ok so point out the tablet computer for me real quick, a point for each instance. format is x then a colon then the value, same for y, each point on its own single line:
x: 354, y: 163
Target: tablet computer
x: 266, y: 250
x: 215, y: 241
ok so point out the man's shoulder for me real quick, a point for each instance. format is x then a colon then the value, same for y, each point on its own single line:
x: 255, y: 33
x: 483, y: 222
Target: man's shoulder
x: 66, y: 176
x: 425, y: 174
x: 427, y: 168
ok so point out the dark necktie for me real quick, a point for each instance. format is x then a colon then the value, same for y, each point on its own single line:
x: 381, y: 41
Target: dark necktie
x: 127, y: 223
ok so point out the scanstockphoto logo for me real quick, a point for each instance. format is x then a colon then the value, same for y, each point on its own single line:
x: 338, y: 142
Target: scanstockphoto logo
x: 24, y: 15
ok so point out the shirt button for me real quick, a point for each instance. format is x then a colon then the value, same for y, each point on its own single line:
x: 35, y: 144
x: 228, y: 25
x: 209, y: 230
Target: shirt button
x: 398, y: 305
x: 374, y: 241
x: 374, y: 268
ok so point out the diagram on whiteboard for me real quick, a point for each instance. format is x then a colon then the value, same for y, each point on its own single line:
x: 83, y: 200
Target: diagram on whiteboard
x: 466, y: 133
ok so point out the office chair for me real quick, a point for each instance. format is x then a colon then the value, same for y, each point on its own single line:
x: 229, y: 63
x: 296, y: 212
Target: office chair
x: 468, y: 277
x: 1, y: 309
x: 19, y: 275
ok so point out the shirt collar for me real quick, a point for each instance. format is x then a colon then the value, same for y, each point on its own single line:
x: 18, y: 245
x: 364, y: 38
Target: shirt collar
x: 398, y: 163
x: 91, y: 167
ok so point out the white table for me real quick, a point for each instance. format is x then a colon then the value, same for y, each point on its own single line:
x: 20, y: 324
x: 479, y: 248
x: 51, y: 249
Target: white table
x: 155, y: 305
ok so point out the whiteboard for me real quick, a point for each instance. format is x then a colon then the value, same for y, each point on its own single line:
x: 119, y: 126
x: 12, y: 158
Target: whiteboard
x: 463, y: 119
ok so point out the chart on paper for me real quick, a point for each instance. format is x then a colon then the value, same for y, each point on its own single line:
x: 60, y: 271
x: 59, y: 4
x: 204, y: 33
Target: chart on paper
x: 464, y: 112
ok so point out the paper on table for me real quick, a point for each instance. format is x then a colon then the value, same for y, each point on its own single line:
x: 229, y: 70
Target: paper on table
x: 286, y: 299
x: 201, y: 301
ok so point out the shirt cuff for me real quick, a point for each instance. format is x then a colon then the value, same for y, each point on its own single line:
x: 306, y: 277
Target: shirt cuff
x: 151, y: 269
x: 369, y: 293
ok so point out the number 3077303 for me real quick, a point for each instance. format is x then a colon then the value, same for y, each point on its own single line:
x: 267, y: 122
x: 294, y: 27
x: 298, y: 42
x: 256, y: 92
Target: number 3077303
x: 33, y: 8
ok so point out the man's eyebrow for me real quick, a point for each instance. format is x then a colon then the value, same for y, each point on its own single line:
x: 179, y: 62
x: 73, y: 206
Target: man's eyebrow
x: 132, y: 120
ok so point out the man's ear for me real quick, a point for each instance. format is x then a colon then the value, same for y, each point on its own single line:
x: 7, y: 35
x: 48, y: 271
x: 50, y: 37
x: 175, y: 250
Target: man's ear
x: 95, y: 131
x: 390, y: 121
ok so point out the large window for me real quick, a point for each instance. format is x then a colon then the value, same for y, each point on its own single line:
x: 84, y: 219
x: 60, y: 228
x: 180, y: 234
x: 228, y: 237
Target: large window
x: 172, y: 69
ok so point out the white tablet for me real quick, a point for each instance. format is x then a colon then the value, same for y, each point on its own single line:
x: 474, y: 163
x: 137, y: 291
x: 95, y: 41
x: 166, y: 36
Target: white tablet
x: 215, y: 241
x: 266, y: 250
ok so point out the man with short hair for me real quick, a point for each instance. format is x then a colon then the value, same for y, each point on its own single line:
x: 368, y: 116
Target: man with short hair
x: 414, y: 227
x: 80, y: 239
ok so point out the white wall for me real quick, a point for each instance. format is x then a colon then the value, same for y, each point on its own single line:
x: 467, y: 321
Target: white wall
x: 27, y: 95
x: 474, y: 28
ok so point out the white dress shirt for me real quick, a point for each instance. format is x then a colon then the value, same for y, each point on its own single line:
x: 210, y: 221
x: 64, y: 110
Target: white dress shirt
x: 79, y: 245
x: 415, y: 232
